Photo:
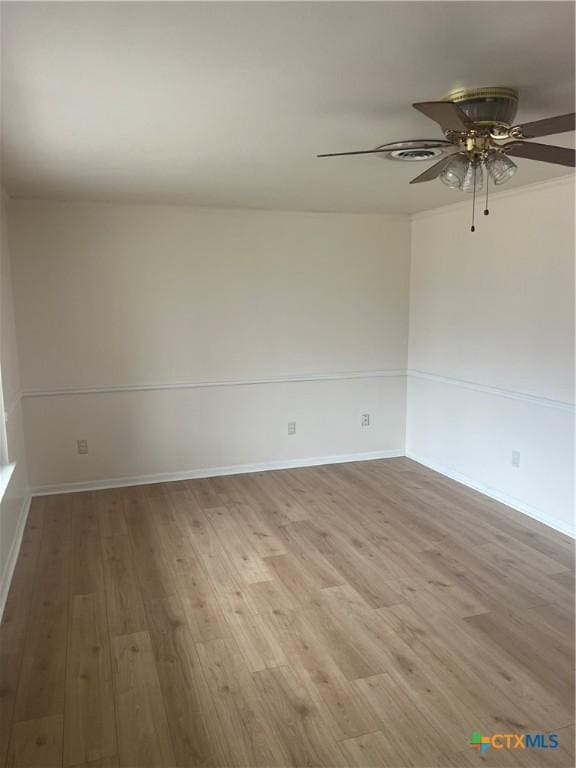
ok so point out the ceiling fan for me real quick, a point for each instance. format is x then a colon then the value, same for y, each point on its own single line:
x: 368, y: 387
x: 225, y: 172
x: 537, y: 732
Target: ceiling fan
x: 479, y: 133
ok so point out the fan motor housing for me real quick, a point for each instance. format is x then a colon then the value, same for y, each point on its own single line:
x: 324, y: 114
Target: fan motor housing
x: 488, y: 106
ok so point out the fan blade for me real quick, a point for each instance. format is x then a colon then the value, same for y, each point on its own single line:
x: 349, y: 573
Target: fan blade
x: 447, y: 114
x: 394, y: 146
x: 434, y: 171
x: 543, y: 152
x: 359, y: 152
x: 548, y: 126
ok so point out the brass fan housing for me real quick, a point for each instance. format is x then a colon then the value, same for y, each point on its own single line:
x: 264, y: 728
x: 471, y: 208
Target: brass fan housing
x: 491, y: 111
x: 494, y: 105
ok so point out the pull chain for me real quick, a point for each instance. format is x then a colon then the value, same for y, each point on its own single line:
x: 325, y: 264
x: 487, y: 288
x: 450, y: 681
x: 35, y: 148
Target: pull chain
x: 486, y: 211
x: 473, y: 228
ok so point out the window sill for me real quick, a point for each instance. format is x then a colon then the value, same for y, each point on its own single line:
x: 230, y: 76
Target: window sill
x: 5, y: 474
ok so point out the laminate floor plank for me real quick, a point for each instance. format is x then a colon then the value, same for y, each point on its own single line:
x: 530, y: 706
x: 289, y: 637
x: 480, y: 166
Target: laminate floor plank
x: 264, y: 539
x: 42, y: 675
x: 334, y: 636
x: 37, y: 743
x: 290, y: 507
x: 316, y: 572
x: 298, y: 724
x: 105, y: 762
x: 123, y: 596
x: 253, y: 633
x: 247, y: 738
x: 109, y: 505
x: 89, y: 725
x: 248, y: 489
x: 547, y: 655
x: 15, y: 620
x: 349, y: 710
x: 193, y: 521
x: 487, y: 680
x: 195, y: 731
x: 405, y: 724
x: 154, y: 576
x: 239, y: 548
x: 86, y: 575
x: 354, y: 567
x: 375, y: 750
x: 143, y: 733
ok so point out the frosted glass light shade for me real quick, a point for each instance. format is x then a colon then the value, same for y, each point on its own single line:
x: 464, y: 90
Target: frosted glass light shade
x: 468, y: 183
x: 500, y: 167
x: 454, y: 173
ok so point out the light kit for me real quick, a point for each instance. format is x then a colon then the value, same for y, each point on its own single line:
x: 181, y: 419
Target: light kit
x: 467, y: 174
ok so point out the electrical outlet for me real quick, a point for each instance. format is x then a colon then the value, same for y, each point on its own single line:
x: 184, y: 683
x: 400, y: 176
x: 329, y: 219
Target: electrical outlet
x: 82, y: 446
x: 291, y: 427
x: 365, y: 419
x: 515, y: 458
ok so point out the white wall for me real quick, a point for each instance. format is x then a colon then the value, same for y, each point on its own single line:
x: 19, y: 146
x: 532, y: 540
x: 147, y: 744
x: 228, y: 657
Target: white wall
x: 13, y: 505
x: 170, y: 339
x: 492, y: 335
x: 114, y: 296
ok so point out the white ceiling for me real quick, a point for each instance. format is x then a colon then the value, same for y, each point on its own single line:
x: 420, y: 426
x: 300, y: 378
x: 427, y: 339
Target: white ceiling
x: 227, y: 104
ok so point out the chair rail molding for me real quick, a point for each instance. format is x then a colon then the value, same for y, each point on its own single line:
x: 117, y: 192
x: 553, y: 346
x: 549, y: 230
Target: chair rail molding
x: 489, y: 389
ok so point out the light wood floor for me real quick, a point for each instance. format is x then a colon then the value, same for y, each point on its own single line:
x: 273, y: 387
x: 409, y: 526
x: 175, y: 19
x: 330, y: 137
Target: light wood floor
x: 368, y: 614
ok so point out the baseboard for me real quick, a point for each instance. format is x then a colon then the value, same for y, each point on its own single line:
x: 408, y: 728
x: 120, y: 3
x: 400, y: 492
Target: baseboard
x: 492, y: 493
x: 239, y: 469
x: 6, y: 578
x: 195, y: 474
